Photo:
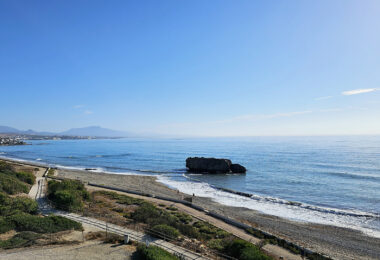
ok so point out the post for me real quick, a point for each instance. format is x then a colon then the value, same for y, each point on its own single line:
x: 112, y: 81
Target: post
x: 126, y: 239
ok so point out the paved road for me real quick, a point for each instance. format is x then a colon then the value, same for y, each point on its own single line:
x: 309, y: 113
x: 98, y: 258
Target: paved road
x: 46, y: 209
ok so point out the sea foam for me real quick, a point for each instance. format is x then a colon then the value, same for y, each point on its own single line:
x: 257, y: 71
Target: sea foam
x: 273, y: 206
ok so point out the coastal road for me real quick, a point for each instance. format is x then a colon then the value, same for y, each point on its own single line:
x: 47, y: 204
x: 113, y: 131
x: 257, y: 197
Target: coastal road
x: 47, y: 209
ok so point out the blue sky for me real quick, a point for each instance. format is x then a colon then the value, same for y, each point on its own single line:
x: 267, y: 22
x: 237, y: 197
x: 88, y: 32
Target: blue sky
x: 212, y: 68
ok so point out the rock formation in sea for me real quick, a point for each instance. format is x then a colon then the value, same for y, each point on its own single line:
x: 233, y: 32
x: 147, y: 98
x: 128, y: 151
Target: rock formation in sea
x: 213, y: 165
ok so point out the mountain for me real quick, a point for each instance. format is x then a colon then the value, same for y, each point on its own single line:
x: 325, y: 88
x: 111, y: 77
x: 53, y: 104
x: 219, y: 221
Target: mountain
x: 94, y: 131
x: 11, y: 130
x: 8, y: 130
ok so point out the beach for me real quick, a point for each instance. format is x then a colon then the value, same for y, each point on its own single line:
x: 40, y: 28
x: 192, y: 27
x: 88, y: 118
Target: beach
x: 332, y: 241
x: 339, y: 243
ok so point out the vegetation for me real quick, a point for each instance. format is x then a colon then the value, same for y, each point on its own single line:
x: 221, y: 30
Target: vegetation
x: 122, y: 199
x: 165, y: 231
x: 13, y: 205
x: 51, y: 172
x: 153, y: 253
x: 20, y: 213
x: 22, y: 239
x: 13, y: 182
x: 67, y: 194
x: 244, y: 250
x: 169, y: 223
x: 50, y: 224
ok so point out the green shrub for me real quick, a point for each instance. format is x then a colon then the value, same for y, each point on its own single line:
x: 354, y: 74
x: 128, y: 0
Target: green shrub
x: 122, y: 199
x: 50, y: 224
x: 165, y: 231
x: 183, y: 217
x: 24, y: 204
x: 172, y: 208
x: 5, y: 167
x: 11, y: 185
x: 153, y: 253
x: 10, y: 206
x: 244, y: 250
x: 5, y: 225
x: 27, y: 177
x: 22, y: 239
x: 146, y: 212
x: 188, y: 230
x: 51, y: 172
x: 67, y: 200
x: 217, y: 244
x: 68, y: 194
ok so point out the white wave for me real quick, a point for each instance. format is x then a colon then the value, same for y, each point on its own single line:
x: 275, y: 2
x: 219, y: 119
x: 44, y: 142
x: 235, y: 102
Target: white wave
x: 284, y: 210
x: 38, y: 159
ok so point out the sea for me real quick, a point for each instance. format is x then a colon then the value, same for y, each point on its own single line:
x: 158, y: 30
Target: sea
x: 333, y: 180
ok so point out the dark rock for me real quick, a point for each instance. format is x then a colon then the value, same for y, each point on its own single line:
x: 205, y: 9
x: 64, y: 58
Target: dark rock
x: 237, y: 168
x: 208, y: 165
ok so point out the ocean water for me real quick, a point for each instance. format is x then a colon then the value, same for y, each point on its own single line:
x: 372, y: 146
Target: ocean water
x: 326, y: 180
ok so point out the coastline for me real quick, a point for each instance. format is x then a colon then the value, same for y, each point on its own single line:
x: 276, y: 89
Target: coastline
x: 337, y: 242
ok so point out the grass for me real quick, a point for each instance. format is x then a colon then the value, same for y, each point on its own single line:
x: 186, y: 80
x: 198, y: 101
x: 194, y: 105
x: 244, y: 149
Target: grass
x: 67, y: 194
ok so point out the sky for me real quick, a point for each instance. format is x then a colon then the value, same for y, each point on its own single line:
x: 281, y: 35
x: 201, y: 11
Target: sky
x: 192, y: 68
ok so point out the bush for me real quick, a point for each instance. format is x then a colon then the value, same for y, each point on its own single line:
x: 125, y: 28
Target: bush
x: 5, y: 167
x: 122, y: 199
x: 10, y: 206
x: 68, y: 194
x: 27, y: 177
x: 153, y: 253
x: 50, y: 224
x: 244, y: 250
x: 5, y: 225
x: 20, y: 240
x: 217, y: 244
x: 165, y: 231
x: 188, y: 230
x: 208, y: 231
x: 146, y: 212
x: 11, y: 185
x: 66, y: 200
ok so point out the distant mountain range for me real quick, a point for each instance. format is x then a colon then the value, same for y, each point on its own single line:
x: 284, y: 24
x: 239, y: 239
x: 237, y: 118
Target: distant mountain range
x: 95, y: 131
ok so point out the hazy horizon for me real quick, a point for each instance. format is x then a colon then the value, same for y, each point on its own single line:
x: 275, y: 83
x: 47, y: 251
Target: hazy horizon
x: 214, y: 68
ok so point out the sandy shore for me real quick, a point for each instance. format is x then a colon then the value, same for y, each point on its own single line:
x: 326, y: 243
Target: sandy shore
x: 339, y: 243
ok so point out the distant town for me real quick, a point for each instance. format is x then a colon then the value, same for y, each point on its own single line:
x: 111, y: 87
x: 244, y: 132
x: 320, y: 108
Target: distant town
x: 19, y: 139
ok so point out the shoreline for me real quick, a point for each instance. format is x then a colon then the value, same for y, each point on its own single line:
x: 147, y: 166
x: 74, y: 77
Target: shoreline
x: 337, y: 242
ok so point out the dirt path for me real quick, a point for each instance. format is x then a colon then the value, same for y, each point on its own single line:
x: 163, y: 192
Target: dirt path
x: 90, y: 250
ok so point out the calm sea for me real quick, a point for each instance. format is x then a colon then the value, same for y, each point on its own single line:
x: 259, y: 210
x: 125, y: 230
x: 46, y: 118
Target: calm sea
x: 327, y: 180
